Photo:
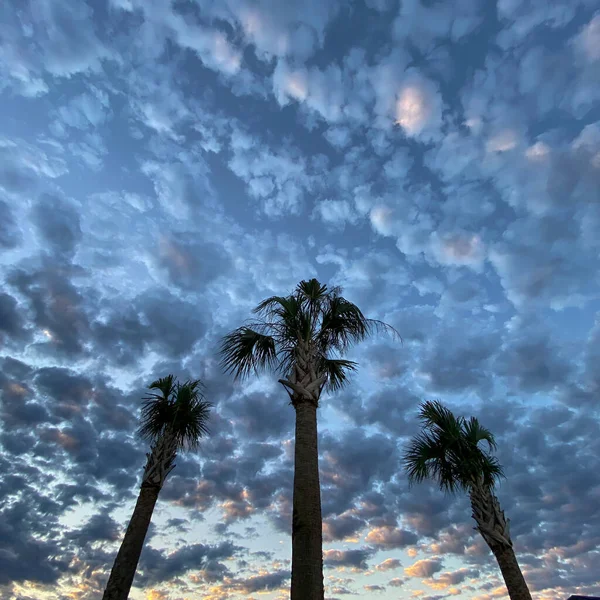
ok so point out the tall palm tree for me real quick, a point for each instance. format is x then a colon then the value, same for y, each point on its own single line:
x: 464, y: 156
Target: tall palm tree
x: 447, y: 450
x: 302, y: 337
x: 174, y: 417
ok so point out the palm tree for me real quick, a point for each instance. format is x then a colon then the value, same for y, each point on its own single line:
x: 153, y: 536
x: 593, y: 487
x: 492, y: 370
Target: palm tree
x: 302, y: 337
x: 173, y: 417
x: 447, y: 450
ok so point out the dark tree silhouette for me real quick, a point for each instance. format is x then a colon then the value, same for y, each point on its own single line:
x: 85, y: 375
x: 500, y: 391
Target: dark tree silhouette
x: 174, y: 417
x: 302, y: 336
x: 447, y: 450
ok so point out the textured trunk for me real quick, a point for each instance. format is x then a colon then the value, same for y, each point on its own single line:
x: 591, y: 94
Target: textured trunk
x: 304, y: 386
x: 158, y: 465
x: 511, y: 572
x: 494, y: 528
x: 307, y: 535
x: 123, y: 571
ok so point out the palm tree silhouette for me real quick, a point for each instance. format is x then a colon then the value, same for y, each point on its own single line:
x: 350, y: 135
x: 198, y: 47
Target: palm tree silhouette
x: 447, y: 450
x: 174, y: 417
x: 302, y: 336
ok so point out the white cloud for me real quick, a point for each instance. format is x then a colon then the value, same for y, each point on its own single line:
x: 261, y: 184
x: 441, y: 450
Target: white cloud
x: 295, y: 28
x: 385, y: 79
x: 382, y: 219
x: 48, y: 38
x: 503, y: 141
x: 459, y: 249
x: 211, y: 45
x: 519, y: 18
x: 418, y: 107
x: 589, y: 39
x: 538, y: 151
x: 335, y: 212
x: 278, y: 178
x: 320, y: 90
x: 424, y: 25
x: 339, y: 137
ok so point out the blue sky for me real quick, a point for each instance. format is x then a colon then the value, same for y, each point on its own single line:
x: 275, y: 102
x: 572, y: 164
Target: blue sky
x: 166, y: 165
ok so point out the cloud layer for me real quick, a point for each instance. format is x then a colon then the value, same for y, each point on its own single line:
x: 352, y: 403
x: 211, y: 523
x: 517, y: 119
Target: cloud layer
x: 166, y: 165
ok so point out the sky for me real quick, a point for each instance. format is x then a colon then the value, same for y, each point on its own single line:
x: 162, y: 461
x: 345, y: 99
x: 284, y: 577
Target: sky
x: 165, y: 165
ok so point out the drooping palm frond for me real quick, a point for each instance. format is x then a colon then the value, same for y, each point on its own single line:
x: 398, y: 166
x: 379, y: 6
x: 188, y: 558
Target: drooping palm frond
x: 180, y: 408
x: 447, y: 450
x: 245, y: 350
x: 336, y: 370
x: 343, y: 324
x: 476, y: 433
x: 427, y: 458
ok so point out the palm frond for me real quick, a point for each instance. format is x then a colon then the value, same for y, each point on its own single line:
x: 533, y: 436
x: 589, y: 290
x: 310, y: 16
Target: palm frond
x: 245, y: 350
x: 165, y: 385
x: 155, y: 411
x: 342, y: 325
x: 180, y: 408
x: 427, y: 458
x: 447, y: 450
x: 315, y: 316
x: 475, y: 433
x: 191, y: 412
x: 268, y: 306
x: 336, y: 370
x: 312, y: 290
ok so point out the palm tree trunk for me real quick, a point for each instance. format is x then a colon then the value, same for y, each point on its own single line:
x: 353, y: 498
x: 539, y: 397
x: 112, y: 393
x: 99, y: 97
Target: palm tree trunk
x: 159, y: 464
x: 123, y: 571
x: 511, y: 572
x: 495, y: 530
x: 307, y: 534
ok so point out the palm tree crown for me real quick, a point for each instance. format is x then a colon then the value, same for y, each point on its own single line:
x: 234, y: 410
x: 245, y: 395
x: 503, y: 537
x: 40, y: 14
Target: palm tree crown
x: 315, y: 319
x: 448, y: 451
x: 177, y: 408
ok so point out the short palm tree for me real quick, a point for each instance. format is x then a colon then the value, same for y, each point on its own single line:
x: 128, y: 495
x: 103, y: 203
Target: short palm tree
x: 302, y: 337
x: 174, y: 417
x: 447, y: 450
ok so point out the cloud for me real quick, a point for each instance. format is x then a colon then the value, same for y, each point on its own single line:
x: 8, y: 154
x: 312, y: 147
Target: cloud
x: 66, y: 43
x: 163, y: 168
x: 266, y: 582
x: 191, y: 264
x: 58, y: 223
x: 157, y: 566
x: 418, y: 107
x: 342, y: 527
x: 12, y: 326
x: 459, y: 249
x: 296, y: 31
x: 10, y: 234
x: 424, y: 25
x: 389, y: 537
x: 321, y: 90
x: 450, y: 579
x: 356, y: 559
x: 279, y: 180
x: 27, y: 167
x: 335, y: 212
x: 588, y: 39
x: 212, y: 46
x: 388, y: 564
x: 424, y: 568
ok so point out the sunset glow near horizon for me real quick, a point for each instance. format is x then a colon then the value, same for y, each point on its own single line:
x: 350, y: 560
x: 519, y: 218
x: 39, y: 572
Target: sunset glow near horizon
x: 166, y: 165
